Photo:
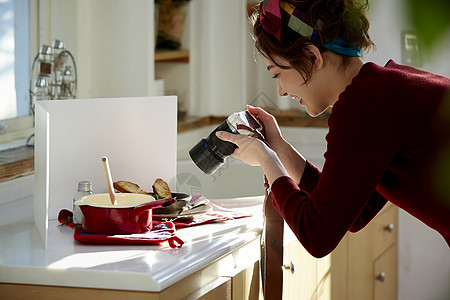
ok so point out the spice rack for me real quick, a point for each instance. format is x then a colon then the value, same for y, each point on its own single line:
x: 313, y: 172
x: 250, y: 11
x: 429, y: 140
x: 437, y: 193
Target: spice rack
x: 53, y: 74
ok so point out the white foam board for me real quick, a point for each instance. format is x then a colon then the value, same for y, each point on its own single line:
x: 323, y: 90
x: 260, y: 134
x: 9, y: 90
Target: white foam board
x: 138, y: 135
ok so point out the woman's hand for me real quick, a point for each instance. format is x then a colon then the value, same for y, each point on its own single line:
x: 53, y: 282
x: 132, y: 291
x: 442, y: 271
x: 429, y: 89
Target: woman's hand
x: 255, y: 152
x: 293, y: 162
x: 272, y: 133
x: 250, y: 150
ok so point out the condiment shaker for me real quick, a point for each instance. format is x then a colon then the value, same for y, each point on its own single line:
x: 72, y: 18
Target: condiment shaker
x: 84, y: 189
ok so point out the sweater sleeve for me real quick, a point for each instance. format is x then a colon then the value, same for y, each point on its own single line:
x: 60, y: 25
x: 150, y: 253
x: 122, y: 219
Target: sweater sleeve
x: 361, y: 143
x: 309, y: 181
x: 310, y: 178
x: 372, y: 208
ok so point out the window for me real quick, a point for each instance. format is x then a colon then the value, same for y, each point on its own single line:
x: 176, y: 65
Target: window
x: 14, y: 58
x: 16, y: 122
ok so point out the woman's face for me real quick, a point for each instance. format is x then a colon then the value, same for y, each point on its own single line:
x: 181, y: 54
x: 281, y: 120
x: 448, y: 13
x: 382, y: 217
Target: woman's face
x: 314, y: 95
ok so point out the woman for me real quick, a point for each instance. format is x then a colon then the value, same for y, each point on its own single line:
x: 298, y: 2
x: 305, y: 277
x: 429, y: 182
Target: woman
x: 385, y: 136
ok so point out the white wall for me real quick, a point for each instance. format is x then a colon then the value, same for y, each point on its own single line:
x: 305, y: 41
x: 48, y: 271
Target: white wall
x: 387, y: 21
x: 16, y: 200
x: 112, y: 42
x: 424, y: 257
x: 120, y: 40
x: 218, y: 52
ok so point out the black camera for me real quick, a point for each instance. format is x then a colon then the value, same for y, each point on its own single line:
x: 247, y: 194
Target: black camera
x: 211, y: 152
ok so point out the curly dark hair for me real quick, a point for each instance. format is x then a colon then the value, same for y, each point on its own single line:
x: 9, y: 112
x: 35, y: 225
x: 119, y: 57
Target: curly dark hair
x: 344, y: 19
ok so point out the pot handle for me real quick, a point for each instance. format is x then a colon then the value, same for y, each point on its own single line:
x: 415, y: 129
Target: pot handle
x: 135, y: 212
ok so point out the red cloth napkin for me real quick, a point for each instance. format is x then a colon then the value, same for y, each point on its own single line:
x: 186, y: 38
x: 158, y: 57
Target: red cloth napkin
x: 161, y: 232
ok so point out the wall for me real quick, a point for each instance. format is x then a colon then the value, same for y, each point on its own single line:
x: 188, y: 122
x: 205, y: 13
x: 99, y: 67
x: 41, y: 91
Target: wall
x: 120, y: 41
x: 218, y: 54
x: 424, y: 264
x: 112, y: 42
x: 387, y: 21
x: 16, y: 201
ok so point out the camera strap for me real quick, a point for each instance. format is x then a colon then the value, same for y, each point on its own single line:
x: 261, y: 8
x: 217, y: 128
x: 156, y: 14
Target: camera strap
x: 271, y: 248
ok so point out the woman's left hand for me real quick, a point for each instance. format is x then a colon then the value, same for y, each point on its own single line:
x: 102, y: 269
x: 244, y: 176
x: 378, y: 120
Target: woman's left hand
x: 250, y: 150
x: 254, y: 152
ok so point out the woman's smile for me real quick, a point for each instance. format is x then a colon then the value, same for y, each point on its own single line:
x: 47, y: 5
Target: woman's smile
x: 299, y: 99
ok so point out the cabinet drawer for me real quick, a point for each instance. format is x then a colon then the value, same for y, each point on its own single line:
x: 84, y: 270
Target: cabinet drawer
x: 385, y: 275
x: 300, y: 276
x: 383, y: 230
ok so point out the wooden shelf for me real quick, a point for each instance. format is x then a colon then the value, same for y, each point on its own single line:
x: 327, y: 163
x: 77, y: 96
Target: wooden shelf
x: 288, y: 118
x: 16, y: 162
x: 172, y: 56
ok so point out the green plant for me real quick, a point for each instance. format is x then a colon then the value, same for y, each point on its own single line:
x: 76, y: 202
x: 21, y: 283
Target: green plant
x: 430, y: 19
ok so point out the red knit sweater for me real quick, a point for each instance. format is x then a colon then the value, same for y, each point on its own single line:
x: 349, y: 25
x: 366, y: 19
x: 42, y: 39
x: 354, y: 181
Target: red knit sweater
x: 385, y: 143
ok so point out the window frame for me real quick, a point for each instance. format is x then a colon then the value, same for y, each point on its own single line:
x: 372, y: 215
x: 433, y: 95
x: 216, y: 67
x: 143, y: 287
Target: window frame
x: 14, y: 132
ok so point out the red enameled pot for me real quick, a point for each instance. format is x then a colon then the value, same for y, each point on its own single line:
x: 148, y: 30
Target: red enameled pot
x: 131, y: 214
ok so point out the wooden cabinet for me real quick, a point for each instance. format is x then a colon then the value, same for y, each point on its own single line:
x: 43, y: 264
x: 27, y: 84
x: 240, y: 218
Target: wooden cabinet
x: 305, y: 277
x: 223, y: 291
x: 363, y: 266
x: 300, y: 272
x: 243, y: 285
x: 247, y: 284
x: 385, y: 274
x: 365, y: 263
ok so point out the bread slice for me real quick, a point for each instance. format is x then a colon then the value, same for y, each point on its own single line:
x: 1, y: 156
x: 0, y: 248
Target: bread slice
x: 161, y: 188
x: 127, y: 187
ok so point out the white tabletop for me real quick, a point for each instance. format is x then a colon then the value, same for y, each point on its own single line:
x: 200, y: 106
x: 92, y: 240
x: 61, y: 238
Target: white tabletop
x: 67, y: 262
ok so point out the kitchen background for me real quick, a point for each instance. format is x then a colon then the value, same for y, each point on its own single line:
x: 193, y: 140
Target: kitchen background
x: 113, y: 43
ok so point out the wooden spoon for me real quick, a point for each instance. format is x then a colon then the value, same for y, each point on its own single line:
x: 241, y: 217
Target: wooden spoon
x: 109, y: 181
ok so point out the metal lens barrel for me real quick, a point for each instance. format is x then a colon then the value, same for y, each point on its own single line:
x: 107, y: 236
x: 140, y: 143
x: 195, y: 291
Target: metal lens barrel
x: 210, y: 153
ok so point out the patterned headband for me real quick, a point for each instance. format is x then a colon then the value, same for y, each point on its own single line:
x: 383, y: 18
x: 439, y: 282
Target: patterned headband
x: 270, y: 18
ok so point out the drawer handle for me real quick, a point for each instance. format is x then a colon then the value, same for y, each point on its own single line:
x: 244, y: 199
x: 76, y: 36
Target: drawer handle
x: 290, y: 266
x: 389, y: 228
x: 381, y: 277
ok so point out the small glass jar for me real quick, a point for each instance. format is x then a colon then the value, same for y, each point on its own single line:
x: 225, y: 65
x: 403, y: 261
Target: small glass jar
x: 60, y: 54
x: 41, y: 88
x: 66, y: 84
x: 84, y: 189
x: 45, y: 60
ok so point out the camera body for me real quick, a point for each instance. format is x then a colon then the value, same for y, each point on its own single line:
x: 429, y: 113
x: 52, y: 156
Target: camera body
x: 211, y: 152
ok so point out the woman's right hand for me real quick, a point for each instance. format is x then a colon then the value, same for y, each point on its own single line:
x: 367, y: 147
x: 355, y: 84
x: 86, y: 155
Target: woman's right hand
x: 293, y: 162
x: 272, y: 133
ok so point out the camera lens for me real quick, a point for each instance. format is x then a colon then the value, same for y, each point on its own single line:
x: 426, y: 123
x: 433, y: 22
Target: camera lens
x: 210, y: 153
